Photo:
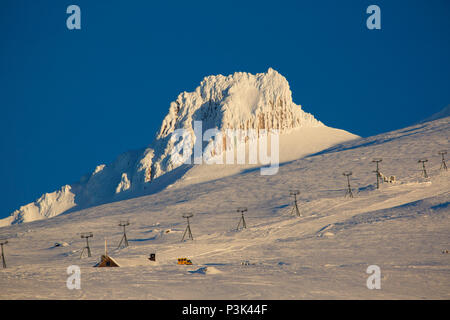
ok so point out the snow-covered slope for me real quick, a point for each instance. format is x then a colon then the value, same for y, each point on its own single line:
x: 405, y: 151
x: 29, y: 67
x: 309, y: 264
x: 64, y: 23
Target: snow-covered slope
x: 439, y: 115
x: 403, y: 228
x: 243, y: 101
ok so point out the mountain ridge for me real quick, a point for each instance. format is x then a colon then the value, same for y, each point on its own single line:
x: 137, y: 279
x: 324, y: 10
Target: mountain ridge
x: 258, y: 103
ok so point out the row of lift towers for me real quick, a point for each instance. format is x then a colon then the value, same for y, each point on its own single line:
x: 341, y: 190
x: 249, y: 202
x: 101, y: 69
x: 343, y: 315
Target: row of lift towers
x: 241, y: 224
x: 186, y: 235
x: 377, y: 172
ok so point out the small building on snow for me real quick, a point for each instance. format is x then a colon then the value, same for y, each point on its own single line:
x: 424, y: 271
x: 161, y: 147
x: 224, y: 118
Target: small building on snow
x: 107, y: 261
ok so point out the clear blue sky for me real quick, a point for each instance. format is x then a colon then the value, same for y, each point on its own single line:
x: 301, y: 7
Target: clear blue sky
x: 71, y: 100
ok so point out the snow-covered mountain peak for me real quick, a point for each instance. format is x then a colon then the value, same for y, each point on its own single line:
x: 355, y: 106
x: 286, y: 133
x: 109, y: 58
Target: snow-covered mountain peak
x: 260, y: 102
x: 238, y: 101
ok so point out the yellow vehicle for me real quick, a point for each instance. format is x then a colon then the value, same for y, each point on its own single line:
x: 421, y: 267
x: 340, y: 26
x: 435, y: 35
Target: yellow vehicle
x: 184, y: 261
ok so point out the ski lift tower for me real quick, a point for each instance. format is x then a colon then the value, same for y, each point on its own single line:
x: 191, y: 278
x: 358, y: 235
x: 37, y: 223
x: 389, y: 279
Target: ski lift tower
x: 443, y: 164
x: 242, y: 210
x: 86, y: 235
x: 188, y: 228
x: 377, y: 172
x: 349, y: 188
x: 295, y: 207
x: 424, y: 171
x: 2, y: 242
x: 124, y: 239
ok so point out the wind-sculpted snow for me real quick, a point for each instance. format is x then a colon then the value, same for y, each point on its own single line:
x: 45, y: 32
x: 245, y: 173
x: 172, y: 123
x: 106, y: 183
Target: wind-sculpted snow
x: 257, y: 104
